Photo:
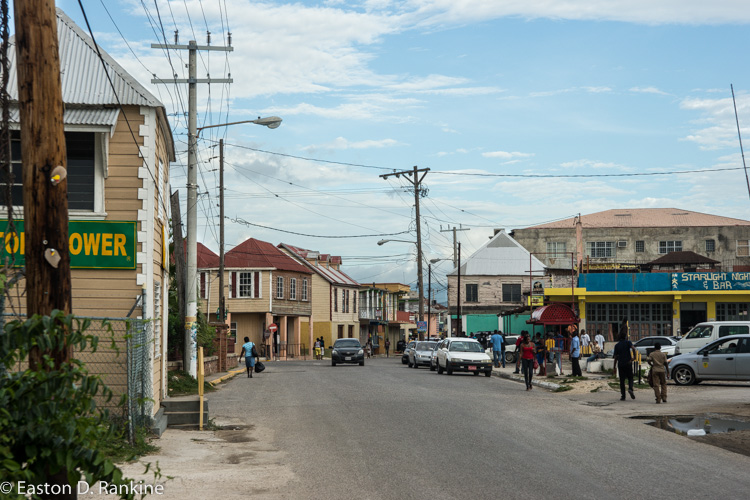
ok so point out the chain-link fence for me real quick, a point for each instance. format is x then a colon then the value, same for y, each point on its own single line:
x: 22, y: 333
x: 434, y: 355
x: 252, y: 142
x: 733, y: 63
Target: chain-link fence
x: 122, y: 360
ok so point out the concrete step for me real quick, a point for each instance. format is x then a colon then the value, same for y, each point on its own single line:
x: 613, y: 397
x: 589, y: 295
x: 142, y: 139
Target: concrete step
x: 185, y: 417
x: 184, y: 403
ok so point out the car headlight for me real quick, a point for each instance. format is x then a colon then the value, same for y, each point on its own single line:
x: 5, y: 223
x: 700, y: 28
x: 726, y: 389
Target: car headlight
x: 360, y: 352
x: 334, y: 352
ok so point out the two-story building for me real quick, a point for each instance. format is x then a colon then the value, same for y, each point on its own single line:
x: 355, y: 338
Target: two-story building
x: 119, y: 148
x: 334, y: 295
x: 379, y: 315
x: 265, y: 287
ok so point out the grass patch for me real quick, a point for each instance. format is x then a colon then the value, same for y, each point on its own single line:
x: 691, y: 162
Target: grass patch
x: 563, y: 388
x: 117, y: 448
x: 181, y: 383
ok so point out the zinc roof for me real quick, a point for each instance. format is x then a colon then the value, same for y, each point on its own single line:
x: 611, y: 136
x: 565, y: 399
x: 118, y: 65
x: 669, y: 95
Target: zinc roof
x: 646, y: 217
x: 501, y: 256
x: 253, y: 253
x: 331, y: 275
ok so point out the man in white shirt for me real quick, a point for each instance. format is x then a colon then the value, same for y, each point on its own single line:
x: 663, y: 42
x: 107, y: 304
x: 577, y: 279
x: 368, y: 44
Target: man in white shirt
x: 585, y: 341
x: 599, y: 339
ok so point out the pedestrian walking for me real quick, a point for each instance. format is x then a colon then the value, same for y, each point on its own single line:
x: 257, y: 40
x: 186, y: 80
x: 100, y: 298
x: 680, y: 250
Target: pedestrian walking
x: 658, y: 361
x: 498, y: 348
x: 541, y: 351
x: 575, y: 354
x: 317, y: 348
x: 249, y: 352
x: 518, y: 350
x: 624, y: 365
x: 322, y: 347
x: 527, y: 360
x: 387, y: 347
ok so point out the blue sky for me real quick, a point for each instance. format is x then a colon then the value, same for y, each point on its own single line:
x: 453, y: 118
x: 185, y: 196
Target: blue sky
x: 532, y: 87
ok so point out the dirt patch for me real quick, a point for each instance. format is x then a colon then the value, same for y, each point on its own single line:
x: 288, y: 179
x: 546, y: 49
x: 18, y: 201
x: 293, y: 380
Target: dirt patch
x: 737, y: 442
x: 240, y: 436
x: 582, y: 386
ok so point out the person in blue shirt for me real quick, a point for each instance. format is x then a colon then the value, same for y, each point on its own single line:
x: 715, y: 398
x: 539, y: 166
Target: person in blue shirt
x: 247, y: 352
x: 575, y: 354
x: 498, y: 343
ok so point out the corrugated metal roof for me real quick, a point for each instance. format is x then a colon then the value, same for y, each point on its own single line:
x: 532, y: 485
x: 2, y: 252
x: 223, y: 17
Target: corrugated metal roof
x: 84, y: 79
x: 645, y: 217
x: 81, y: 116
x: 253, y: 253
x: 501, y: 256
x: 330, y: 274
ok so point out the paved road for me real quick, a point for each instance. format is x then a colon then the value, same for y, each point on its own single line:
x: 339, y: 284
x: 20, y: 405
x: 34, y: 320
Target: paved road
x: 385, y: 431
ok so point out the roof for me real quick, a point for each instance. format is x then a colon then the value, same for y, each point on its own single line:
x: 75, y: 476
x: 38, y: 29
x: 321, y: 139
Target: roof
x: 86, y: 91
x: 685, y: 257
x: 253, y: 253
x: 501, y: 256
x: 330, y: 274
x: 553, y: 314
x: 206, y: 258
x: 645, y: 217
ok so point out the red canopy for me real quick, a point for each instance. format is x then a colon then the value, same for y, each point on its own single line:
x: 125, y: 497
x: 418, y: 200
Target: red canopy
x: 553, y: 314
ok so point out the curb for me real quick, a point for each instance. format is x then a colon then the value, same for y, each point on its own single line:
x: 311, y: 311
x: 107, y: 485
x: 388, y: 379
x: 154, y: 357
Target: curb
x: 229, y: 375
x: 540, y: 383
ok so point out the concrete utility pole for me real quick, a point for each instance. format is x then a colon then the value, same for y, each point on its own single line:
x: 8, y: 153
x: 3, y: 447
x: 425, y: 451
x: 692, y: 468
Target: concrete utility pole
x: 191, y: 300
x: 222, y: 310
x: 454, y: 229
x: 44, y: 158
x: 416, y: 181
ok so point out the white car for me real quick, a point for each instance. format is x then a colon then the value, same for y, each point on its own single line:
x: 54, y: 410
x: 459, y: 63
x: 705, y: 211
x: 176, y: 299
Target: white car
x: 421, y: 353
x: 646, y: 345
x: 462, y: 354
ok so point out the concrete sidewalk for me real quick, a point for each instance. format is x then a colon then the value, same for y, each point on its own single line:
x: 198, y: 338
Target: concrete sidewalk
x: 545, y: 381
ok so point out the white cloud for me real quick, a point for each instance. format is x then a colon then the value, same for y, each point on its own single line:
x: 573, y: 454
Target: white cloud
x: 506, y: 155
x: 584, y: 163
x: 343, y: 143
x: 647, y: 90
x: 720, y: 130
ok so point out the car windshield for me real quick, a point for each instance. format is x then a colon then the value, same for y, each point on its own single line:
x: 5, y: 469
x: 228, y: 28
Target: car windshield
x: 426, y: 346
x: 347, y: 343
x: 466, y: 347
x: 700, y: 332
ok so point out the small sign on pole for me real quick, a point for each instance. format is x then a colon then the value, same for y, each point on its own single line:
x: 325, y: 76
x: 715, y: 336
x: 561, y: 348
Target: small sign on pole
x: 421, y: 326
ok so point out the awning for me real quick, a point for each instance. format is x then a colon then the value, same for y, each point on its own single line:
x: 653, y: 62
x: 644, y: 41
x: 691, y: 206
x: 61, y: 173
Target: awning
x: 553, y: 314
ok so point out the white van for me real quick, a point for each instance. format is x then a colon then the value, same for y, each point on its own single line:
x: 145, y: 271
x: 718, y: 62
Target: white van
x: 703, y: 333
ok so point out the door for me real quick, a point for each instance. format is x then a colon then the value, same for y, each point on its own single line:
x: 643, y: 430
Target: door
x: 742, y: 364
x: 341, y: 331
x: 719, y: 360
x: 692, y: 313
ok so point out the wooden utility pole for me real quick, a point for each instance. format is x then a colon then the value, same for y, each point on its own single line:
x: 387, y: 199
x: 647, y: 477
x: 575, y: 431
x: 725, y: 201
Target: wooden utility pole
x: 43, y: 153
x: 179, y: 264
x: 222, y: 306
x: 455, y: 240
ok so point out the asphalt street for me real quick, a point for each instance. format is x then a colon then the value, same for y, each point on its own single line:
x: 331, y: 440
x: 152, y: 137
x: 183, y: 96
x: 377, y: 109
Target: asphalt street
x: 385, y: 431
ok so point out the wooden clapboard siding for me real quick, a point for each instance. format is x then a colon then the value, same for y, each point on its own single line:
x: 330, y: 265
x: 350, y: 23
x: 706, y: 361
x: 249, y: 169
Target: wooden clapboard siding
x: 321, y: 299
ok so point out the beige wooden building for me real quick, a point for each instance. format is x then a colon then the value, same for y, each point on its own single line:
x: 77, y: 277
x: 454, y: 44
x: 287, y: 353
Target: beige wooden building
x: 264, y: 287
x: 118, y: 192
x: 334, y: 295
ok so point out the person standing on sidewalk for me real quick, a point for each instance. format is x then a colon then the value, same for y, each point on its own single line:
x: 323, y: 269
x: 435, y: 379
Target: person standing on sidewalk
x: 585, y: 343
x: 322, y: 347
x: 624, y: 365
x: 540, y: 354
x: 317, y: 348
x: 387, y: 347
x: 247, y: 351
x: 658, y: 361
x: 498, y: 343
x: 518, y: 350
x: 575, y: 355
x: 527, y: 349
x: 559, y: 346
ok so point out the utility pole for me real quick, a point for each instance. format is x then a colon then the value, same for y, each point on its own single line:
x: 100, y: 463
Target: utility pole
x: 454, y: 229
x: 44, y: 157
x: 458, y: 293
x: 416, y: 181
x: 222, y: 310
x: 179, y: 264
x: 191, y: 300
x: 429, y: 299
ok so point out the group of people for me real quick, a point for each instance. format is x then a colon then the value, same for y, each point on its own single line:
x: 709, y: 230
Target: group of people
x: 625, y: 354
x: 319, y: 347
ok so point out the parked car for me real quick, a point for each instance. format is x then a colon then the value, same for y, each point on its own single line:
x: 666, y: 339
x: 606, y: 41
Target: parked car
x: 421, y: 353
x: 725, y: 359
x: 708, y: 331
x: 347, y: 351
x: 646, y: 345
x: 405, y: 355
x: 461, y: 354
x: 510, y: 348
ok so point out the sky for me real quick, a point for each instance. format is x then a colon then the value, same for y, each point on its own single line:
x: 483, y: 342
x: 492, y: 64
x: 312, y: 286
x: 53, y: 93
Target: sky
x: 524, y: 112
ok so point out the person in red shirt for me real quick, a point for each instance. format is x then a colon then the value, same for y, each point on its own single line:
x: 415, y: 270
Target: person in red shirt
x: 527, y: 348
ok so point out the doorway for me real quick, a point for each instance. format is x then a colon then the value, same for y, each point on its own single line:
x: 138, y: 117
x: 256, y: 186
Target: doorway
x: 341, y: 331
x: 692, y: 313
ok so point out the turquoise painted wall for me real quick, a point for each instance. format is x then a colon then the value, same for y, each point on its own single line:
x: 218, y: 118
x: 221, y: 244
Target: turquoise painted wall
x: 481, y: 323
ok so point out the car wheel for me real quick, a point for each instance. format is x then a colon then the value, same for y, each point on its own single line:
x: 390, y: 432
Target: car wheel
x: 362, y: 363
x: 416, y: 365
x: 333, y: 363
x: 448, y: 369
x: 509, y: 357
x: 439, y: 368
x: 410, y: 365
x: 476, y: 373
x: 403, y: 361
x: 488, y: 373
x: 683, y: 375
x: 432, y: 367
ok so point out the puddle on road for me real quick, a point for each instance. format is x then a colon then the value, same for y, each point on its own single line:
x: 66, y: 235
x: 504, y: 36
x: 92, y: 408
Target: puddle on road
x: 696, y: 425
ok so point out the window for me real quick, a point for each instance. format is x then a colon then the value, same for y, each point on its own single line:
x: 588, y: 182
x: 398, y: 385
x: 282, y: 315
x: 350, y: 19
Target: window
x: 710, y: 246
x: 81, y: 166
x: 304, y: 289
x: 335, y: 300
x: 245, y: 284
x: 640, y: 246
x: 743, y: 248
x: 157, y: 320
x: 279, y: 287
x: 354, y: 301
x: 203, y: 281
x: 345, y: 300
x: 600, y: 249
x: 472, y: 293
x: 292, y: 288
x: 670, y: 246
x: 511, y: 292
x: 556, y: 249
x: 731, y: 311
x: 233, y: 329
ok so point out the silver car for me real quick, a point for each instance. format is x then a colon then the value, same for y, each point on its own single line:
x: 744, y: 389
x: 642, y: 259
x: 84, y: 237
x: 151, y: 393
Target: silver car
x: 725, y: 359
x: 421, y: 354
x: 646, y: 345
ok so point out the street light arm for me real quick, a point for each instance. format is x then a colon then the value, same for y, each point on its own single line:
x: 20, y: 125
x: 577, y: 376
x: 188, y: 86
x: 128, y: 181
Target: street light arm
x: 270, y: 122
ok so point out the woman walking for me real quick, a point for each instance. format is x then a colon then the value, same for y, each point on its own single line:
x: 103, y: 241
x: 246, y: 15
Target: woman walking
x: 247, y: 351
x: 527, y: 349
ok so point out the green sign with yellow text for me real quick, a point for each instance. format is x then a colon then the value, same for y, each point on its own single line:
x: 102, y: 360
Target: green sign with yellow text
x: 93, y: 244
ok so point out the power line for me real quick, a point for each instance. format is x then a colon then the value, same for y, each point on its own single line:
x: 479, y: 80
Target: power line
x: 246, y: 223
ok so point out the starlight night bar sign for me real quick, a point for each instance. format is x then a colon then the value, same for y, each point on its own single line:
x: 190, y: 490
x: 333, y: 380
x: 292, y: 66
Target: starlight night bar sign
x: 710, y: 281
x: 92, y: 244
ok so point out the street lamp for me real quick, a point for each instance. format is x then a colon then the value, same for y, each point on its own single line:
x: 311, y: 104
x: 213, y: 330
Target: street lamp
x: 191, y: 301
x: 420, y: 283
